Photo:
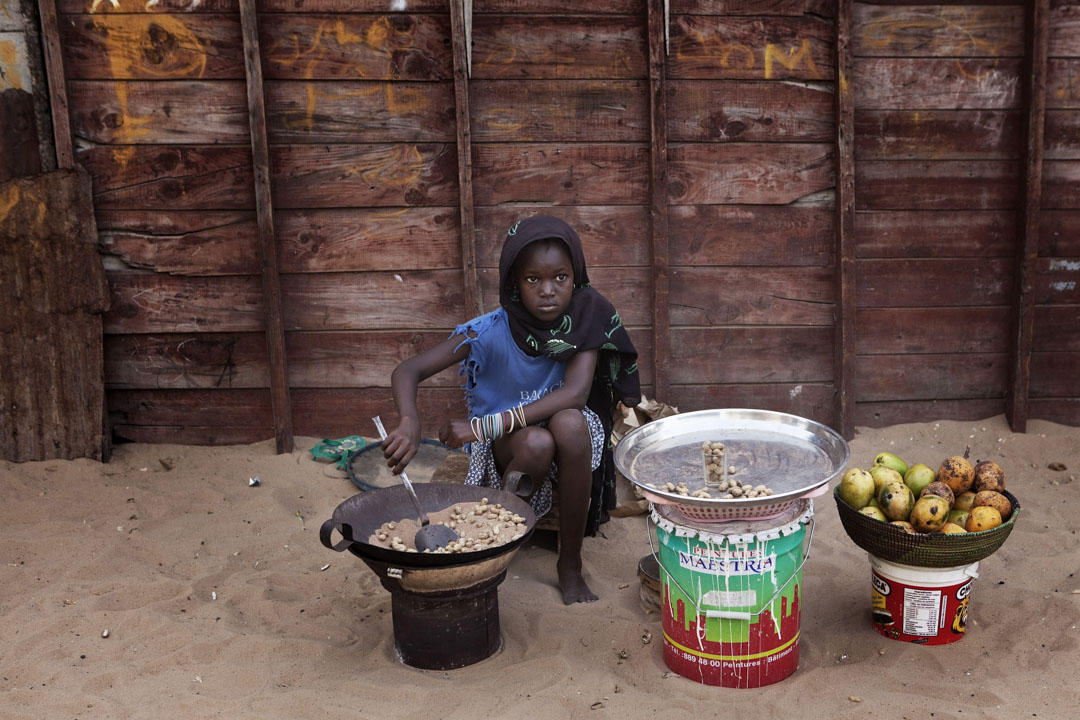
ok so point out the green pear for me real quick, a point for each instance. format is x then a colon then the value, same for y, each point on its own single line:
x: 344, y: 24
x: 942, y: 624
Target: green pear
x: 887, y: 459
x: 882, y: 475
x: 919, y: 476
x: 857, y: 488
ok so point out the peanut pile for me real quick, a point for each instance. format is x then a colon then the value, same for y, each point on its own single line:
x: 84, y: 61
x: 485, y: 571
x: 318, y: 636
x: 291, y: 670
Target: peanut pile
x: 479, y: 526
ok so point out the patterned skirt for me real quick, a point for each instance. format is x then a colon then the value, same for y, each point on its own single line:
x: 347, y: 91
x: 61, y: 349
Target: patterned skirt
x: 482, y: 470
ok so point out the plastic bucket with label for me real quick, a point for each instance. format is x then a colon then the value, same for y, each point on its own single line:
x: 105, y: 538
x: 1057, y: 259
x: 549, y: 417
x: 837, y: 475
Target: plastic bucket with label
x: 730, y: 596
x: 922, y: 605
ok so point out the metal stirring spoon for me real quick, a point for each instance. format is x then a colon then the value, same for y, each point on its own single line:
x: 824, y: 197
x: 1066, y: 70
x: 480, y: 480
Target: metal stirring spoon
x: 428, y: 537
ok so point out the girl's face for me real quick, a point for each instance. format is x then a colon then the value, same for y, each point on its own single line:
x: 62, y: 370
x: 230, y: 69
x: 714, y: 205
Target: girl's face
x: 544, y: 276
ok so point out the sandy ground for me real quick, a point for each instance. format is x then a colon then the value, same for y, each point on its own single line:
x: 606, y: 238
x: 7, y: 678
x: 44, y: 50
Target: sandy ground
x: 215, y: 603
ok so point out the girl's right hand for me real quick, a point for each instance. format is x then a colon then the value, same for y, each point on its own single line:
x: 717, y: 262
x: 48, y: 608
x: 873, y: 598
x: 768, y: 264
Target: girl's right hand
x: 401, y: 444
x: 456, y: 433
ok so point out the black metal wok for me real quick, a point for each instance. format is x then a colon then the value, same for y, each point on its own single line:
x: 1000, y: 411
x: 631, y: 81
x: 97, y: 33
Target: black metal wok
x: 357, y: 518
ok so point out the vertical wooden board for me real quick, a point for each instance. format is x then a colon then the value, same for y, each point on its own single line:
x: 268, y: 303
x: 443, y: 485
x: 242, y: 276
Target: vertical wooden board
x: 359, y: 239
x: 610, y: 235
x: 159, y: 303
x: 931, y: 282
x: 52, y: 294
x: 903, y: 331
x: 347, y: 111
x: 561, y: 47
x: 746, y: 111
x: 393, y: 46
x: 558, y: 110
x: 657, y: 32
x: 182, y: 242
x: 427, y: 299
x: 750, y: 48
x: 845, y: 139
x: 753, y: 173
x: 884, y: 414
x: 580, y: 174
x: 931, y: 233
x: 159, y: 113
x: 152, y: 46
x: 177, y: 361
x: 746, y: 235
x: 889, y: 378
x: 752, y: 296
x: 938, y: 31
x: 936, y: 185
x: 716, y: 356
x: 937, y: 134
x: 314, y: 176
x: 809, y: 400
x: 176, y: 177
x: 937, y: 83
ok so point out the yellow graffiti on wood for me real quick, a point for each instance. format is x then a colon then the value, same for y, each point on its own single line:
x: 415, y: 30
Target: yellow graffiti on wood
x: 10, y: 73
x: 400, y: 166
x: 1070, y: 90
x: 946, y: 32
x: 139, y: 45
x: 702, y: 48
x: 11, y: 200
x: 8, y: 200
x: 792, y: 60
x: 378, y: 36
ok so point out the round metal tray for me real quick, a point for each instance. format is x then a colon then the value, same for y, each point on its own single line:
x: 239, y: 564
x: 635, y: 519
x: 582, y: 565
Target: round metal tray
x: 791, y: 455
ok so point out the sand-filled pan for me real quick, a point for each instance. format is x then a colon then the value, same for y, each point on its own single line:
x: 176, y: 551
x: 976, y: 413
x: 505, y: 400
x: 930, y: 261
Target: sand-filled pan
x: 939, y: 550
x: 360, y: 516
x: 792, y: 456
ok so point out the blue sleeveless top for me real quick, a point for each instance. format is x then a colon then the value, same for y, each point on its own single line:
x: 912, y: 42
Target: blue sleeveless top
x: 498, y: 375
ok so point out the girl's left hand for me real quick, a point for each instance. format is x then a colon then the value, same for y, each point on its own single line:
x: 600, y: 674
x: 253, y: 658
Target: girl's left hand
x: 456, y: 433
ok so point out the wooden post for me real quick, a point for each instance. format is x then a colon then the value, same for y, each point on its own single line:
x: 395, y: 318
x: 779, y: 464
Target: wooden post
x: 844, y: 358
x: 58, y: 101
x: 260, y: 154
x: 1037, y: 22
x: 658, y: 201
x: 460, y: 30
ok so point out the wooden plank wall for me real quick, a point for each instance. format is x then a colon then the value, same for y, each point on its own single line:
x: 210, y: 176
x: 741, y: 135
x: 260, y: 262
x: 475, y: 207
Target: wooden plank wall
x: 937, y: 122
x: 360, y: 108
x: 1055, y: 358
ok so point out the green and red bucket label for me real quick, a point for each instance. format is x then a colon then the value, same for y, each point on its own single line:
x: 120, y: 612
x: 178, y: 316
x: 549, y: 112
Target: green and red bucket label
x: 757, y: 643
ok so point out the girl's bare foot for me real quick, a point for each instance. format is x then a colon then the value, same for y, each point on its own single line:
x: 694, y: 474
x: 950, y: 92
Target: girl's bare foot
x: 573, y: 586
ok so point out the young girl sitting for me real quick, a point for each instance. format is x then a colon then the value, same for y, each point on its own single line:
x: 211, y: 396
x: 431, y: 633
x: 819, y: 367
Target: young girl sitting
x: 542, y: 375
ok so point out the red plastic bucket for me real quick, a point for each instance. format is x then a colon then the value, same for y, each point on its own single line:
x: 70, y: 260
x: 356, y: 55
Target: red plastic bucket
x: 922, y: 605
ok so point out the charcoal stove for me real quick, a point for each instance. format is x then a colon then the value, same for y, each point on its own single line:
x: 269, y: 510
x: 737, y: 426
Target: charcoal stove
x: 445, y: 607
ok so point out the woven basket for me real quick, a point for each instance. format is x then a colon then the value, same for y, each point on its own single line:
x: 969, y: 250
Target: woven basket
x: 893, y: 544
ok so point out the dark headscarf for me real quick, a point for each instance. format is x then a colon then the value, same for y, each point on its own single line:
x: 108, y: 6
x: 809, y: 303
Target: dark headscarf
x: 590, y: 322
